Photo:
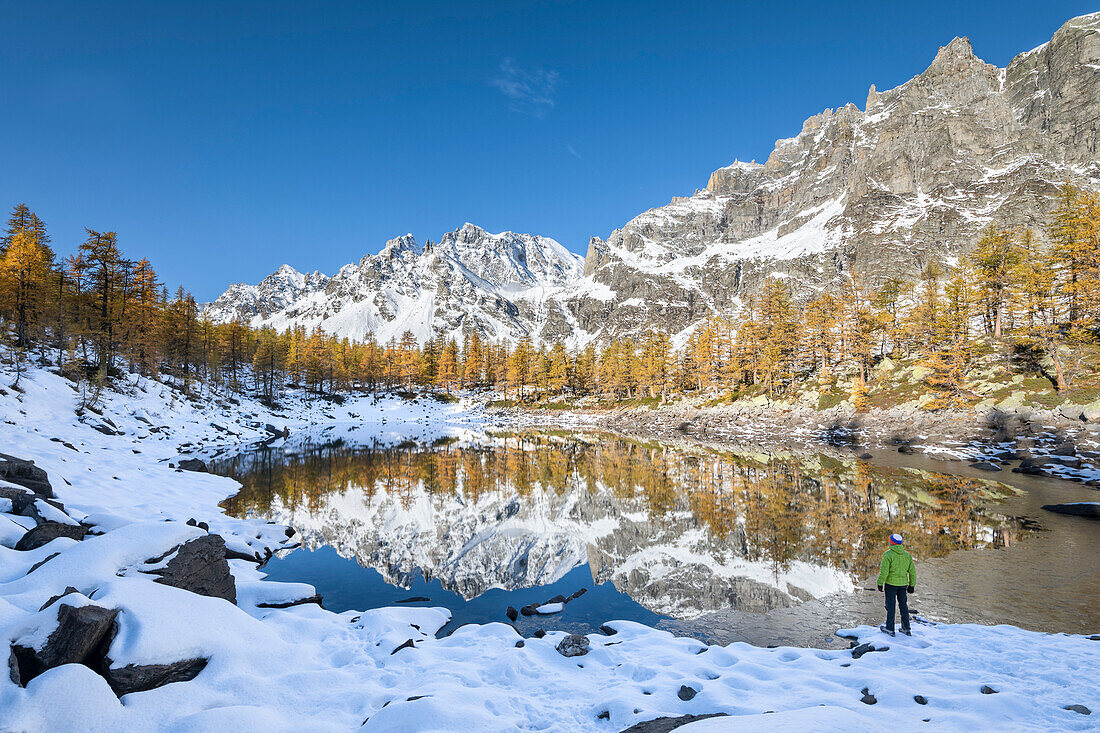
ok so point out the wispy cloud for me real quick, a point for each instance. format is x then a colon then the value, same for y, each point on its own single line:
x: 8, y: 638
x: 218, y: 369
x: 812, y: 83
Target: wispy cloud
x: 530, y: 90
x: 573, y: 151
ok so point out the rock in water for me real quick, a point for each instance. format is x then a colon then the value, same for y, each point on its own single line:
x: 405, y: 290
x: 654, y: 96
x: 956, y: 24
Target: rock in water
x: 49, y: 531
x: 573, y: 645
x: 194, y: 464
x: 1089, y: 509
x: 200, y: 567
x: 511, y: 613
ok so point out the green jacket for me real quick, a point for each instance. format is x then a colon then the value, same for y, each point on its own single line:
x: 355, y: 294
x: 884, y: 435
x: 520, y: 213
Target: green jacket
x: 897, y: 567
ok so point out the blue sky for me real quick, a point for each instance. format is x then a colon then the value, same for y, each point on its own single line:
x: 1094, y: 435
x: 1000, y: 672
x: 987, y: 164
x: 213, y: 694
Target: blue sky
x: 224, y: 139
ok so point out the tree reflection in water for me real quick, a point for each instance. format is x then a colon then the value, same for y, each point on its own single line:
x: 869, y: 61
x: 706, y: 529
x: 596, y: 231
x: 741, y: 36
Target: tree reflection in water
x: 777, y: 508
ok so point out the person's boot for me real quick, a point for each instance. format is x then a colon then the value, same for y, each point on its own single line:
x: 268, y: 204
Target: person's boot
x: 885, y: 630
x: 907, y: 631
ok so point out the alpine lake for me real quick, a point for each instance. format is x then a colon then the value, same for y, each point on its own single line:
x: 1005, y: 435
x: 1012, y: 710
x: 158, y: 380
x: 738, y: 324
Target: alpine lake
x: 764, y: 546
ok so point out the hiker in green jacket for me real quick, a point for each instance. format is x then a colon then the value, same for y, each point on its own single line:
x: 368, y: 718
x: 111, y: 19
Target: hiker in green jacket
x: 899, y: 576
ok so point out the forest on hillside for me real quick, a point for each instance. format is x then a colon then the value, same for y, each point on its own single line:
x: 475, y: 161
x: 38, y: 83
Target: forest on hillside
x: 96, y: 313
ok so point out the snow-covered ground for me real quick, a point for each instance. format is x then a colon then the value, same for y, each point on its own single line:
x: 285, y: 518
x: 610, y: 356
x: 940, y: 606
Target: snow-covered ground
x: 304, y: 668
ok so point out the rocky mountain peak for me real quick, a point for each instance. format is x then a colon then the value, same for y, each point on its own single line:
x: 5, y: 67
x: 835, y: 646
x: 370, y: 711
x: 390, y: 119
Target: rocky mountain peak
x: 915, y: 176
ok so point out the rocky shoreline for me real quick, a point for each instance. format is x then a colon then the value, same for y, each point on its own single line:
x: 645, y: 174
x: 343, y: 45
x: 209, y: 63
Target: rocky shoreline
x: 1062, y: 443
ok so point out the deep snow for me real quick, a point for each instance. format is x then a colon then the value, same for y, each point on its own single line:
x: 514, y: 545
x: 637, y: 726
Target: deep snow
x: 308, y: 669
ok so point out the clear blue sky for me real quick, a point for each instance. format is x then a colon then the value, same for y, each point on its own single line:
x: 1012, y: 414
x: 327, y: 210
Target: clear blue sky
x: 224, y: 139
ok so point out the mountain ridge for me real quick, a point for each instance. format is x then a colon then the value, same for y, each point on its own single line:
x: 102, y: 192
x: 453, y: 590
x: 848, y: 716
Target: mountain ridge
x: 913, y: 177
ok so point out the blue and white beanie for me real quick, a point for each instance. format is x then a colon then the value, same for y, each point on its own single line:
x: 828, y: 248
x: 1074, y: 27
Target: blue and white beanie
x: 895, y: 539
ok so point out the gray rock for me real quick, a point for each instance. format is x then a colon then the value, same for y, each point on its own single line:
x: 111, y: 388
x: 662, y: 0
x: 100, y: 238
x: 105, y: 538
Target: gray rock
x: 511, y: 613
x: 868, y: 698
x: 667, y: 724
x: 1078, y: 708
x: 920, y: 699
x: 987, y: 690
x: 865, y: 648
x: 139, y: 678
x: 194, y: 464
x: 200, y: 566
x: 1091, y: 510
x: 686, y: 693
x: 26, y: 474
x: 80, y: 632
x: 47, y: 532
x: 315, y: 598
x: 573, y: 645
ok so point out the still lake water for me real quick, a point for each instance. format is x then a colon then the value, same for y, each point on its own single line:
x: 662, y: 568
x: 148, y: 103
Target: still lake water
x: 765, y: 547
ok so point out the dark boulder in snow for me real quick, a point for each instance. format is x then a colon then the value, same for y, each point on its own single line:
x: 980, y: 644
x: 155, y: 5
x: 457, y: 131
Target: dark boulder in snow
x: 26, y: 474
x: 573, y: 645
x: 200, y: 567
x: 987, y: 690
x: 142, y: 677
x: 194, y: 464
x: 1078, y: 708
x: 865, y: 648
x: 868, y: 698
x: 47, y: 532
x: 920, y: 699
x: 666, y: 725
x: 686, y: 693
x: 78, y: 639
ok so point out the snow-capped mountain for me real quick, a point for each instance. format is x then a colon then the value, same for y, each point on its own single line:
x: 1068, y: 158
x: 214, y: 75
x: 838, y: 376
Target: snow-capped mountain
x: 915, y: 175
x: 467, y: 282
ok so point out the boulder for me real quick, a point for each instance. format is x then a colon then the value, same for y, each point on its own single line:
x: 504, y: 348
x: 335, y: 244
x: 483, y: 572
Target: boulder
x: 868, y: 698
x: 194, y: 464
x: 1089, y: 509
x: 47, y: 532
x: 667, y: 725
x: 1091, y: 412
x: 1078, y: 708
x: 26, y: 474
x: 920, y: 699
x: 686, y: 693
x: 142, y: 677
x: 200, y: 566
x: 78, y: 639
x: 573, y: 645
x: 987, y: 690
x: 865, y: 648
x: 511, y: 613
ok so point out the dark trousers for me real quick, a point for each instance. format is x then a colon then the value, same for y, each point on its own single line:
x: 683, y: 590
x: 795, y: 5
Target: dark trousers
x: 898, y: 593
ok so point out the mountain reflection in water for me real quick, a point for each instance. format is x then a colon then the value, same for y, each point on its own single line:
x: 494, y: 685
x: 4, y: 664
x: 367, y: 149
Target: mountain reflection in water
x: 681, y: 531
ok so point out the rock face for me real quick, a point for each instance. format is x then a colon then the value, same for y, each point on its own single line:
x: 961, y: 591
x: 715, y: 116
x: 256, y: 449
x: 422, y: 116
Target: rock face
x: 470, y: 282
x: 200, y: 567
x: 912, y: 177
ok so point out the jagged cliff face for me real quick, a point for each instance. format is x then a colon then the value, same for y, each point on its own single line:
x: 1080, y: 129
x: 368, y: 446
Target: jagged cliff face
x: 915, y: 176
x: 465, y: 283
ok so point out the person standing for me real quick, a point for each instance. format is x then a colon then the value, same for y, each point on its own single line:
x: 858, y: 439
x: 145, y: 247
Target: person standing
x: 898, y: 575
